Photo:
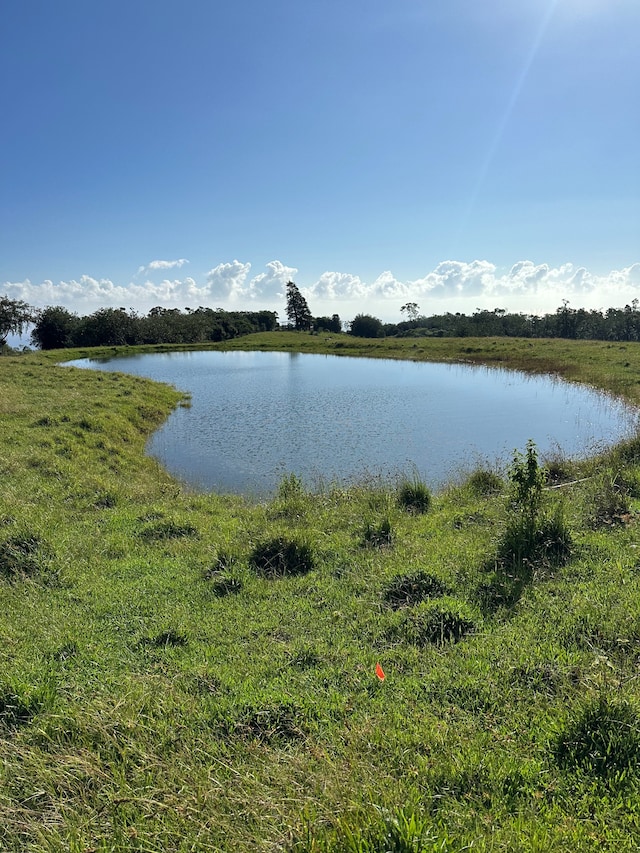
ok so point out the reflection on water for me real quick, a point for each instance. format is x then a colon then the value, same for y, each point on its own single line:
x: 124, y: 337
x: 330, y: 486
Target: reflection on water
x: 256, y: 416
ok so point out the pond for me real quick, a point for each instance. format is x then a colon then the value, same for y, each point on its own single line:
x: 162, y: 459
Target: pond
x: 259, y: 416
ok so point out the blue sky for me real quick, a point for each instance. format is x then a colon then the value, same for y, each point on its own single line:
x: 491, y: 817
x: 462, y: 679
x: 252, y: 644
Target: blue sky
x: 449, y: 152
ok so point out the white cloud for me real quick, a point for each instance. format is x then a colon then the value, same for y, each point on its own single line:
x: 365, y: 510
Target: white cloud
x: 162, y: 265
x: 228, y: 280
x: 272, y: 284
x: 450, y: 286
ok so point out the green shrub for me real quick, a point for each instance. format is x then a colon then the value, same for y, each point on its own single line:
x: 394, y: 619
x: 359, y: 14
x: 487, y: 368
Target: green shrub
x: 280, y: 557
x: 531, y: 535
x: 414, y: 496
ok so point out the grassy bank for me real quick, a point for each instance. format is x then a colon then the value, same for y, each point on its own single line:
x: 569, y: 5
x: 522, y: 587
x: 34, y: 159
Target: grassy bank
x: 187, y: 672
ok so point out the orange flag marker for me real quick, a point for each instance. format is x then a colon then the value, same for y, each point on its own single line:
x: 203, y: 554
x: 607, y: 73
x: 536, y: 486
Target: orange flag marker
x: 380, y: 672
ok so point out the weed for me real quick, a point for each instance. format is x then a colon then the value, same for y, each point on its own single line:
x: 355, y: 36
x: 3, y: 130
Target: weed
x: 403, y: 831
x: 222, y: 562
x: 544, y: 679
x: 542, y: 544
x: 557, y: 470
x: 305, y: 658
x: 526, y: 479
x: 291, y: 499
x: 406, y: 590
x: 281, y: 557
x: 105, y: 499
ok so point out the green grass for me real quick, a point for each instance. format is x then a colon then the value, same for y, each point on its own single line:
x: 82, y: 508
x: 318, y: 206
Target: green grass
x: 161, y: 690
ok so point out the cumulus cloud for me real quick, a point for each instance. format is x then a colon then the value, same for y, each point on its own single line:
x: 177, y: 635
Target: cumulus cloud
x: 450, y: 286
x: 231, y: 281
x: 273, y: 283
x: 162, y: 265
x: 228, y: 280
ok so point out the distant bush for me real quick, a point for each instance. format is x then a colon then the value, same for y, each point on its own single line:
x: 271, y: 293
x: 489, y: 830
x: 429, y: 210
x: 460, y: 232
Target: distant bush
x: 366, y: 326
x: 281, y: 557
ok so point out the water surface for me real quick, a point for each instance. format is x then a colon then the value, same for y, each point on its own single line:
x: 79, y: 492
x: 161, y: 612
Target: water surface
x: 257, y: 416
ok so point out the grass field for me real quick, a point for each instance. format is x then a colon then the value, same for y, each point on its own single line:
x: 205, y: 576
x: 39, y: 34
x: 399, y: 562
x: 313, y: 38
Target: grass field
x: 186, y: 672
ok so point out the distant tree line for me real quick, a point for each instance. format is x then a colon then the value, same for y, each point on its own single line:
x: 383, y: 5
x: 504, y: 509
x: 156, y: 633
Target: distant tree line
x: 613, y: 324
x: 55, y: 327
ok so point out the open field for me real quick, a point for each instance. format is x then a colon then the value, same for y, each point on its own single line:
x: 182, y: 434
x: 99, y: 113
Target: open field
x: 183, y: 672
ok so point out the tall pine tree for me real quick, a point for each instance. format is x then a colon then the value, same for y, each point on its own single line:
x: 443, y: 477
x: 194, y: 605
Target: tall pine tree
x: 297, y: 308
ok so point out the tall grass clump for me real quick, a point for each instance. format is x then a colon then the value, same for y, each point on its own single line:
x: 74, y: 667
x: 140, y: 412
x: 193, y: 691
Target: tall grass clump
x: 291, y: 499
x: 484, y: 482
x: 608, y: 498
x: 20, y: 556
x: 602, y: 740
x: 436, y: 623
x: 281, y: 557
x: 378, y: 534
x: 402, y: 831
x: 414, y: 496
x: 407, y: 590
